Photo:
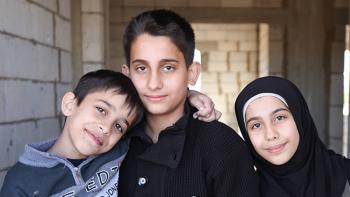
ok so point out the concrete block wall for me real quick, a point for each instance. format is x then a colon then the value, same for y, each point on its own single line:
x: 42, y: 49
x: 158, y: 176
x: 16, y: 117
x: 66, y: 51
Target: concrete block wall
x: 229, y: 62
x: 35, y: 66
x: 336, y: 91
x: 93, y: 34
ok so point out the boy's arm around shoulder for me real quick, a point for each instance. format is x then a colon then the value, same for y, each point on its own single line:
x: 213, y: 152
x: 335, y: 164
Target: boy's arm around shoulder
x: 231, y: 171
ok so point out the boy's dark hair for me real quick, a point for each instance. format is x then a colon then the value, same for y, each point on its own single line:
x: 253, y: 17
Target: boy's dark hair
x: 161, y: 23
x: 103, y: 80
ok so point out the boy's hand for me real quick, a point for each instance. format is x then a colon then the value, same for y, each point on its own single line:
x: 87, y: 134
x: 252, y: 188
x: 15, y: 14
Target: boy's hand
x: 206, y: 107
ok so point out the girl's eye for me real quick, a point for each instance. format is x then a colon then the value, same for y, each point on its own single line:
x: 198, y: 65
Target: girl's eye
x: 101, y: 110
x: 256, y: 125
x: 119, y: 128
x: 279, y: 118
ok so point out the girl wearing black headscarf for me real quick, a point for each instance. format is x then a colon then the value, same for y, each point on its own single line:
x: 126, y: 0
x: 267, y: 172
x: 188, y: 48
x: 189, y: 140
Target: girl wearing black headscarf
x: 290, y: 158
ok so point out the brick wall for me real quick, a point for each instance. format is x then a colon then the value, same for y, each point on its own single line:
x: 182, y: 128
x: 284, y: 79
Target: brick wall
x: 35, y: 70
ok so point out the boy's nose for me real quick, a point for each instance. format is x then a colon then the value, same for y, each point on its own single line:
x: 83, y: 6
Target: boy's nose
x: 154, y: 81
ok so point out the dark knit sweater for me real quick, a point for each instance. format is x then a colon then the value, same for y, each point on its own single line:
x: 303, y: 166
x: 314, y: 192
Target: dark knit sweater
x: 191, y: 158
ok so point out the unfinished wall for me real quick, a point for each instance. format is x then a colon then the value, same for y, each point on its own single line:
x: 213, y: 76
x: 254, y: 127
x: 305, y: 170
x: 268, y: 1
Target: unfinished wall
x: 35, y: 69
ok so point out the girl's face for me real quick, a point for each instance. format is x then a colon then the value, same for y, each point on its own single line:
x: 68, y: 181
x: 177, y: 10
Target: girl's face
x: 272, y: 129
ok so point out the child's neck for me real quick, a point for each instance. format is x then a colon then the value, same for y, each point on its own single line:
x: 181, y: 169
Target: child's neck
x: 155, y: 124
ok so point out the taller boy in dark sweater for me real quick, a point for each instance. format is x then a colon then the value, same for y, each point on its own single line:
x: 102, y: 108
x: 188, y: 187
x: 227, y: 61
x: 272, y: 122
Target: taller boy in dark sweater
x: 171, y: 153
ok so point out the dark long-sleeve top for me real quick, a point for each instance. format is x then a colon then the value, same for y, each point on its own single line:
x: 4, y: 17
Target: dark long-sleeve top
x: 191, y: 158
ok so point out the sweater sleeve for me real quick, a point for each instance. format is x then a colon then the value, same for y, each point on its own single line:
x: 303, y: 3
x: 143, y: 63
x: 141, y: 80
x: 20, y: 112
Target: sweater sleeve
x: 231, y: 172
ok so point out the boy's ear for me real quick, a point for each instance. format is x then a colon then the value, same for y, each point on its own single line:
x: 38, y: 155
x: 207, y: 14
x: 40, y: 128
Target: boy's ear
x: 125, y: 70
x: 68, y: 104
x: 193, y: 73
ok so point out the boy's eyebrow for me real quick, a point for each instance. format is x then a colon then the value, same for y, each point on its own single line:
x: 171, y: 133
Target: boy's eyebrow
x: 162, y: 60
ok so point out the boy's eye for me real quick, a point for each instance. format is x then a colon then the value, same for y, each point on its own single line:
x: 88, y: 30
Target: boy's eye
x: 119, y: 128
x: 141, y: 68
x: 101, y: 110
x: 168, y: 68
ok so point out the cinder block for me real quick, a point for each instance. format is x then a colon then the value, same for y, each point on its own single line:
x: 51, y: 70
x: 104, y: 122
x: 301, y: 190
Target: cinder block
x: 66, y: 67
x: 238, y: 57
x: 248, y: 46
x: 48, y: 128
x: 276, y: 32
x: 201, y: 35
x: 16, y: 12
x: 46, y: 63
x: 35, y: 62
x: 247, y: 77
x: 248, y: 27
x: 217, y: 66
x: 229, y: 77
x: 229, y: 88
x: 61, y: 89
x: 201, y: 3
x: 207, y: 46
x: 171, y: 3
x: 251, y: 36
x: 63, y: 34
x: 336, y: 89
x: 49, y: 4
x: 65, y: 8
x: 238, y: 66
x: 36, y: 100
x: 253, y: 62
x: 337, y: 57
x: 227, y: 46
x: 92, y: 6
x: 117, y: 31
x: 210, y: 88
x: 7, y: 146
x: 217, y: 35
x: 217, y: 56
x: 149, y: 3
x: 26, y: 133
x: 87, y: 67
x: 116, y: 15
x: 276, y: 56
x: 237, y: 3
x: 236, y: 36
x: 209, y: 77
x: 268, y: 3
x: 93, y: 38
x: 42, y: 24
x: 2, y: 101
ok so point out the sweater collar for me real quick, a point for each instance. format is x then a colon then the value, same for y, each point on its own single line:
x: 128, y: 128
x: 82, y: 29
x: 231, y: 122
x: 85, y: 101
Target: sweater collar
x: 168, y: 150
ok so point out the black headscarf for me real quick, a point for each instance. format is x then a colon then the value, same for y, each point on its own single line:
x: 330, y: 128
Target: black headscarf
x: 313, y: 171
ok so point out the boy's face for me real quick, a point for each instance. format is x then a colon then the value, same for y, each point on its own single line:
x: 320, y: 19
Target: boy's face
x: 97, y: 124
x: 159, y: 73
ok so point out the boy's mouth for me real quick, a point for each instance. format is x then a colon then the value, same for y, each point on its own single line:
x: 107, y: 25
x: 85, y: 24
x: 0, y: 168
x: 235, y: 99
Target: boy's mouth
x: 155, y: 98
x: 94, y: 137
